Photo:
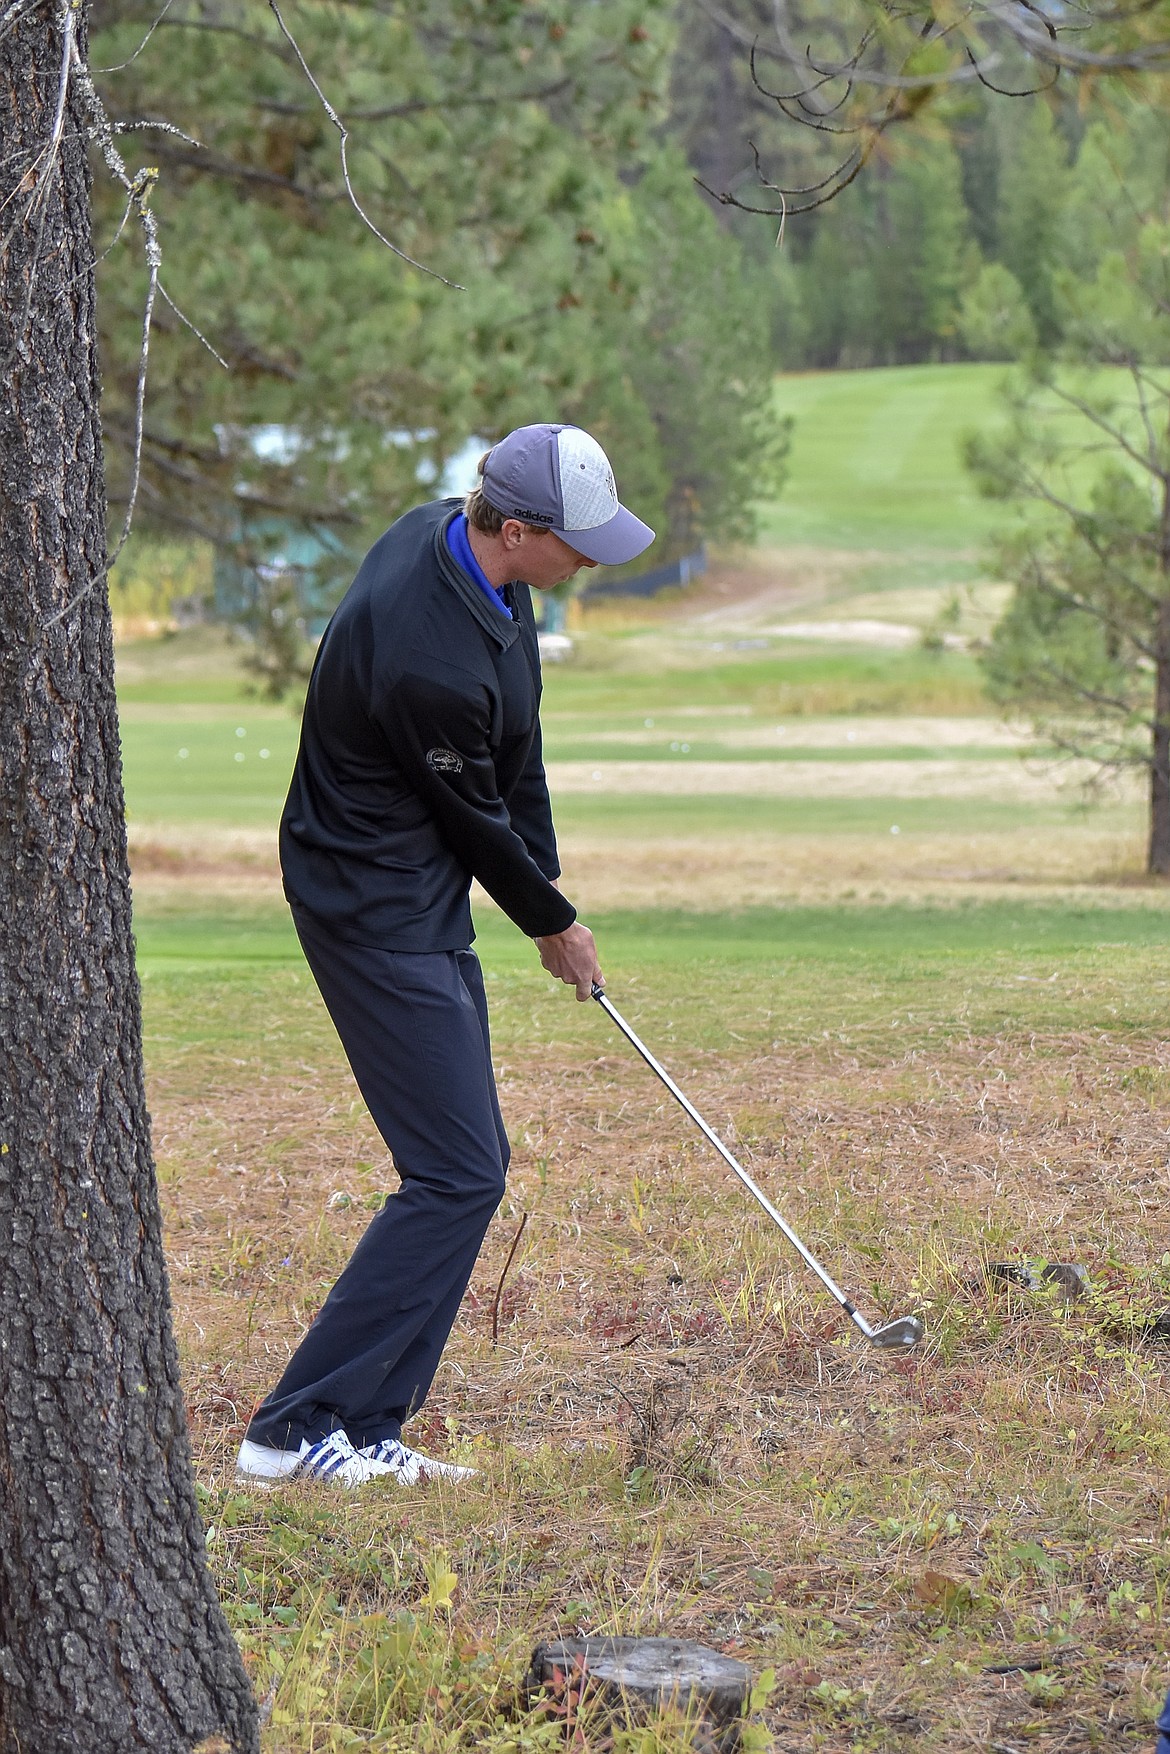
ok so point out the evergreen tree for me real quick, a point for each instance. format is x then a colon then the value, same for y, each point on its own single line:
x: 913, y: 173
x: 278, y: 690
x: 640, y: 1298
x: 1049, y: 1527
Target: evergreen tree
x: 706, y: 380
x: 1084, y: 649
x: 918, y: 274
x: 1033, y: 179
x: 480, y: 147
x: 836, y: 291
x: 995, y: 321
x: 882, y: 280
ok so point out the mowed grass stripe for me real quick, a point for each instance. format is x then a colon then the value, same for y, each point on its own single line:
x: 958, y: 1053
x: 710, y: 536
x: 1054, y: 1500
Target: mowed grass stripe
x: 894, y: 780
x: 238, y: 931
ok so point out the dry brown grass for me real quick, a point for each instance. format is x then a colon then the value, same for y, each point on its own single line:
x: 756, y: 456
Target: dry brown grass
x: 896, y: 780
x: 607, y: 869
x: 676, y: 1432
x: 764, y: 870
x: 739, y: 589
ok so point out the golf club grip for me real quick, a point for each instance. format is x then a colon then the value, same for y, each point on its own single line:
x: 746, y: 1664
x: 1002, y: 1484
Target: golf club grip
x: 713, y: 1138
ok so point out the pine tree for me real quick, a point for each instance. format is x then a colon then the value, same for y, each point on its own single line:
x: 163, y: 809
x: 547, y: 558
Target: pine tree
x: 918, y: 275
x: 1033, y: 177
x: 1084, y: 649
x: 111, y: 1638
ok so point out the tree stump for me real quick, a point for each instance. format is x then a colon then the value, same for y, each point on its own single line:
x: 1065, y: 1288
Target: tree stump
x: 631, y: 1679
x: 1068, y: 1279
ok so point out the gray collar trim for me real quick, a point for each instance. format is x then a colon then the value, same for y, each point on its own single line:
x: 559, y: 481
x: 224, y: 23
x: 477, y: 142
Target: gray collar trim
x: 501, y: 629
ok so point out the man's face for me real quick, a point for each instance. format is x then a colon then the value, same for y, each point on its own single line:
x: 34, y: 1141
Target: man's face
x: 540, y: 559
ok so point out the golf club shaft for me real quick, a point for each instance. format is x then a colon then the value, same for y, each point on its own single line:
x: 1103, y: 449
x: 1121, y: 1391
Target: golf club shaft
x: 810, y: 1260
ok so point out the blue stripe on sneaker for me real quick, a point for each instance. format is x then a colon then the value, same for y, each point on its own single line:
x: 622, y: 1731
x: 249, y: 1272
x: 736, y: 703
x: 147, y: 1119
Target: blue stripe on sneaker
x: 325, y: 1458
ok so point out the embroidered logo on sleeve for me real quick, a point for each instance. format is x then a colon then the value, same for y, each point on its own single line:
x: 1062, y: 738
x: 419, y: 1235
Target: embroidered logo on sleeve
x: 444, y: 761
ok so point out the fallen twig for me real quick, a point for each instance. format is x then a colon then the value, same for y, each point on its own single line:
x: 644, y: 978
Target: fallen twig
x: 503, y: 1276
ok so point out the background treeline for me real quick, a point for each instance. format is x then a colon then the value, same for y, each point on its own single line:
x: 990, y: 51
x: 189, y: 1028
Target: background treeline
x: 955, y: 240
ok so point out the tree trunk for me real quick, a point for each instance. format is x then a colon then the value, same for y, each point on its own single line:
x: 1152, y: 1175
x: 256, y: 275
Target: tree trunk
x: 1158, y: 859
x: 111, y: 1638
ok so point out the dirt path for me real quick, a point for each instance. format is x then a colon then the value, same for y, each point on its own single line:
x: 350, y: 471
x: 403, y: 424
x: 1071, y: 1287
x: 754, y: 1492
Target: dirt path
x: 743, y: 590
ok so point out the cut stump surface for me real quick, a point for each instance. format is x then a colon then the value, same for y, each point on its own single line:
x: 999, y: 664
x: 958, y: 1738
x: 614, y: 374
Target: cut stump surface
x: 637, y: 1677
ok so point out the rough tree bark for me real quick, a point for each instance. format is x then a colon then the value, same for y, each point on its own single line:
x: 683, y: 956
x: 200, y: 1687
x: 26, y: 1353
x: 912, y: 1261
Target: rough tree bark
x: 111, y: 1637
x: 1158, y: 857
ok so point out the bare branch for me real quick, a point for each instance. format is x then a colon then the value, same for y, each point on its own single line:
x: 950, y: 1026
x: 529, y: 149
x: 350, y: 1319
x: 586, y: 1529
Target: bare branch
x: 1047, y: 46
x: 198, y: 333
x: 837, y: 180
x: 1003, y: 90
x: 138, y: 189
x: 343, y: 131
x: 776, y: 191
x: 424, y: 106
x: 47, y: 160
x: 980, y: 37
x: 122, y: 64
x: 153, y: 263
x: 1115, y: 434
x: 159, y: 127
x: 69, y: 24
x: 122, y: 224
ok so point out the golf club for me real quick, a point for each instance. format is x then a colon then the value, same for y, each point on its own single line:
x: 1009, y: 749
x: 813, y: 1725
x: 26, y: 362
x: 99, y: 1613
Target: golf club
x: 896, y: 1336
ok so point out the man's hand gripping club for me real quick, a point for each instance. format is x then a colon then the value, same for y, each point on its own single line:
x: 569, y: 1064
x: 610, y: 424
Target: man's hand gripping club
x: 571, y: 956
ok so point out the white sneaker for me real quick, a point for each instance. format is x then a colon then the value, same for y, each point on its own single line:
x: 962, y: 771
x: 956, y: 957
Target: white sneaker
x: 332, y: 1459
x: 260, y: 1461
x: 408, y: 1466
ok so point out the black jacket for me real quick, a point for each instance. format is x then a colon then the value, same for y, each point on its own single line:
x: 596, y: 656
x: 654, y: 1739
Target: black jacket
x: 419, y: 765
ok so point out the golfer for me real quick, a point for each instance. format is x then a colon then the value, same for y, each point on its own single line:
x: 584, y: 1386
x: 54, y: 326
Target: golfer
x: 420, y: 768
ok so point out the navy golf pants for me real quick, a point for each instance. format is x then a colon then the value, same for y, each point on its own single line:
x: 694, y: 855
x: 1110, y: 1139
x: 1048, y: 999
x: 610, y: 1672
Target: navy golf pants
x: 414, y: 1027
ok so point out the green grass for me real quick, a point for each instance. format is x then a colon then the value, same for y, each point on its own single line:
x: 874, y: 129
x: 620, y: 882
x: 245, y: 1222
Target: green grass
x: 198, y: 666
x: 190, y: 765
x: 876, y: 461
x: 708, y: 979
x: 616, y: 676
x: 192, y: 756
x: 243, y: 932
x: 697, y: 748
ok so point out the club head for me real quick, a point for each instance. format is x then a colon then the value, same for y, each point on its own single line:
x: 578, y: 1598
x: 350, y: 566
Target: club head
x: 899, y: 1336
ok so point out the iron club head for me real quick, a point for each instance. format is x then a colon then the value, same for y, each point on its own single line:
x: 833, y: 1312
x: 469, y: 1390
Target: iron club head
x: 898, y: 1336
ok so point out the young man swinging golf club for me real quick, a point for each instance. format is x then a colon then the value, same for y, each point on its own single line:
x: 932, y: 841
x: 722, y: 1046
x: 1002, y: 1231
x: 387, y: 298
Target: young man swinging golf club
x: 420, y: 768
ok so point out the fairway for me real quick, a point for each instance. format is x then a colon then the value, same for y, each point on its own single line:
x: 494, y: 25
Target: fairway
x: 918, y: 983
x: 876, y: 461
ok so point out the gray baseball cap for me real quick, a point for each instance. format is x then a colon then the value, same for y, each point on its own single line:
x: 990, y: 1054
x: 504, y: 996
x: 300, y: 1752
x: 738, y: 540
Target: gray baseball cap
x: 561, y: 478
